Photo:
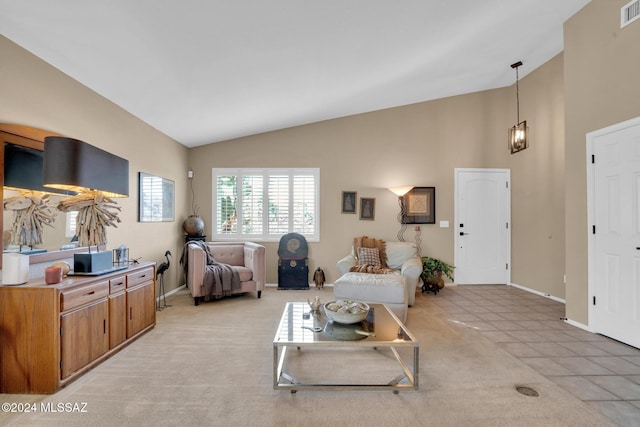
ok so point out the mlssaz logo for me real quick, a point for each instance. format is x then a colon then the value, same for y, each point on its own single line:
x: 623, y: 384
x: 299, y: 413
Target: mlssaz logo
x: 63, y: 407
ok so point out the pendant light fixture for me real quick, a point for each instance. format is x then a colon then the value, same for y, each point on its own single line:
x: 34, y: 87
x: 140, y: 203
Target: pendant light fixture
x: 518, y: 134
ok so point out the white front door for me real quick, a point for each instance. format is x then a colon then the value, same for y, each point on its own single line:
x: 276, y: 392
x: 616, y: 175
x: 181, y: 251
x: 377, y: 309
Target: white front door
x: 482, y: 226
x: 615, y: 202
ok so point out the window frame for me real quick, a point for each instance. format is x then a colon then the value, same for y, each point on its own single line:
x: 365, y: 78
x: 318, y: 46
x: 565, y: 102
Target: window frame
x: 239, y: 173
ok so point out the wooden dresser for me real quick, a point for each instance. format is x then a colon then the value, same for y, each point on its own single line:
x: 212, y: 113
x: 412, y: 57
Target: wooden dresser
x: 52, y: 334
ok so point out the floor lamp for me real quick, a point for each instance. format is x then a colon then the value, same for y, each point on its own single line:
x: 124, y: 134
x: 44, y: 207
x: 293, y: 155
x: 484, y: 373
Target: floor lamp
x: 400, y: 192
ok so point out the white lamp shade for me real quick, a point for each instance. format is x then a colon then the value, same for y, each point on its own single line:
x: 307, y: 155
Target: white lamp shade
x: 401, y: 191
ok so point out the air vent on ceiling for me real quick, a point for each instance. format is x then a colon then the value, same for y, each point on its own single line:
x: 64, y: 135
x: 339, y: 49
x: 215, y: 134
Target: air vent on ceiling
x: 629, y: 13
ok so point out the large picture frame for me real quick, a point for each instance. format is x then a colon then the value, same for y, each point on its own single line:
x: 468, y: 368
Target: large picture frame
x: 155, y: 198
x: 367, y: 208
x: 420, y: 205
x: 349, y: 202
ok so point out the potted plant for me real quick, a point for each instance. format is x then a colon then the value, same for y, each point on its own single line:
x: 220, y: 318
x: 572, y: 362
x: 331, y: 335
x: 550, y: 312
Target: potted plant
x: 432, y: 271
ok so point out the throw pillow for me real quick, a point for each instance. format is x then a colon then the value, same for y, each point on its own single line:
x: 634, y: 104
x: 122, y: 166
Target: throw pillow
x: 369, y: 256
x: 368, y: 242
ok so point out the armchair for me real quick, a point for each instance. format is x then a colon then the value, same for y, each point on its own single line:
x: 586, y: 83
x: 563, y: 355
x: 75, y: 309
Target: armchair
x: 400, y: 256
x: 247, y: 258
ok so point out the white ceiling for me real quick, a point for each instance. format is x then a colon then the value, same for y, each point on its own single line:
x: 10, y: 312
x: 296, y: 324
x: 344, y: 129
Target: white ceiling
x: 204, y: 71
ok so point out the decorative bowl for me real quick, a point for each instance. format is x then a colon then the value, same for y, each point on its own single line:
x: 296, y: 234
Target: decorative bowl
x: 345, y: 311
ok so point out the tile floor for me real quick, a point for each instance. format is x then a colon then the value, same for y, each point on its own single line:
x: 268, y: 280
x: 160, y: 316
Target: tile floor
x: 600, y: 371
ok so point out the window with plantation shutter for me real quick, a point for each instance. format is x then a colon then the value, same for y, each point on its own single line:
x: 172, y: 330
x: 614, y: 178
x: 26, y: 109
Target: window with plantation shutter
x: 264, y: 204
x: 70, y: 224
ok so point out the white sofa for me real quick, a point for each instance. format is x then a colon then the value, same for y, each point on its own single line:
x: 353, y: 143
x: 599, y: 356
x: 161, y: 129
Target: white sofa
x: 401, y: 256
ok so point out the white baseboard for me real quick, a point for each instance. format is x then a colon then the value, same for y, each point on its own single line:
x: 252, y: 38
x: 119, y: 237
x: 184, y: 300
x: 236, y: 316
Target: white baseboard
x: 171, y: 292
x: 542, y: 294
x: 569, y: 321
x: 578, y: 325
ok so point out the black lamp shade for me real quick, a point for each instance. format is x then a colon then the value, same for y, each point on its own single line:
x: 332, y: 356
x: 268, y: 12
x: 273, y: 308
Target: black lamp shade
x: 74, y: 165
x: 23, y: 169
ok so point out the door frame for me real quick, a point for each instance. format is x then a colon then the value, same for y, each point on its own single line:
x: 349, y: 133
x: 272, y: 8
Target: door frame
x: 592, y: 326
x: 456, y: 225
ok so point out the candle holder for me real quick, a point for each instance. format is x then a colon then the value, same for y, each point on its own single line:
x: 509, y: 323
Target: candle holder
x: 120, y: 256
x: 53, y: 275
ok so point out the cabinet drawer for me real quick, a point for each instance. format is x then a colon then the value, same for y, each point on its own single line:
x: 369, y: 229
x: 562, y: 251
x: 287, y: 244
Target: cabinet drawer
x: 76, y: 297
x: 117, y: 284
x: 139, y: 277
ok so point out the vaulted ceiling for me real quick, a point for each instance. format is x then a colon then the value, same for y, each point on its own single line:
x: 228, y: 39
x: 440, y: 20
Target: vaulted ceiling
x: 205, y: 71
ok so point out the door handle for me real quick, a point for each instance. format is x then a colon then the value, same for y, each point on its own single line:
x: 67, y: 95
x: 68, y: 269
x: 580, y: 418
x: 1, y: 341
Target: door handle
x: 462, y: 233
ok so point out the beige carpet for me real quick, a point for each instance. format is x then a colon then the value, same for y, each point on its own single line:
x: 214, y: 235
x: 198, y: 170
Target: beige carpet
x: 211, y: 365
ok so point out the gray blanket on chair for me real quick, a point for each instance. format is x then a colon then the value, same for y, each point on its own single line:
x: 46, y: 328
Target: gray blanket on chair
x: 219, y: 279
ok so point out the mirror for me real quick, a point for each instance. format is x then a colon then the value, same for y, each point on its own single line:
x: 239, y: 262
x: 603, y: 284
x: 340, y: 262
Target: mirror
x: 54, y: 236
x: 31, y: 139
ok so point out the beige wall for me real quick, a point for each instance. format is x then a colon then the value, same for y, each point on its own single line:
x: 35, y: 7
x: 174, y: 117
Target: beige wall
x: 602, y: 65
x: 420, y: 145
x: 35, y: 94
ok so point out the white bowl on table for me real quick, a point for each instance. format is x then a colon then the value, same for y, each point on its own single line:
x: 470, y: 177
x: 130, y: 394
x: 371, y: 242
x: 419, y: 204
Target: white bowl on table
x: 346, y: 312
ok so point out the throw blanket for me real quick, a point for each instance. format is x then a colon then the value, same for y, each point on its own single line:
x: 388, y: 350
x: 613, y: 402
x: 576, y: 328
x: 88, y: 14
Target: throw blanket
x: 219, y: 279
x: 368, y: 242
x: 373, y: 269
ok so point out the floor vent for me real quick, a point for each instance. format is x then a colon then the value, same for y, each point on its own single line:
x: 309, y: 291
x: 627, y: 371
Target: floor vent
x: 527, y: 391
x: 629, y: 13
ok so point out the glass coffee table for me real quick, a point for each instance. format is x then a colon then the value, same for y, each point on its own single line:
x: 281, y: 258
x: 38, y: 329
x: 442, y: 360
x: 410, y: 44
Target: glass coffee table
x: 380, y: 332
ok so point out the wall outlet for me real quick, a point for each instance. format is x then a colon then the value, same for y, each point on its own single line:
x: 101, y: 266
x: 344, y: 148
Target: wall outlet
x: 190, y: 174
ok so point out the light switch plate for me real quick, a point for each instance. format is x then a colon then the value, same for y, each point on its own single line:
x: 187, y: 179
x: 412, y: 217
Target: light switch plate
x: 444, y: 224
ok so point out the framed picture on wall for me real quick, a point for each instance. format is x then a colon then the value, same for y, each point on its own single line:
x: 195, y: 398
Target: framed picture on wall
x: 349, y: 203
x: 367, y: 208
x: 420, y: 206
x: 155, y: 198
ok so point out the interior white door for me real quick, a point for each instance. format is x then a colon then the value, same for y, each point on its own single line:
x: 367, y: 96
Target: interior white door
x: 482, y: 229
x: 616, y: 296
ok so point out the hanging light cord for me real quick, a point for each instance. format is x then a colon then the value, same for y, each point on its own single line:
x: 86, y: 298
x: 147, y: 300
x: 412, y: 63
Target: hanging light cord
x: 517, y: 97
x: 516, y: 65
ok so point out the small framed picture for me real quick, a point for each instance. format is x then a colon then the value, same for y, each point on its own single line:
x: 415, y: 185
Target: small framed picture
x: 367, y: 208
x: 420, y: 206
x: 349, y: 203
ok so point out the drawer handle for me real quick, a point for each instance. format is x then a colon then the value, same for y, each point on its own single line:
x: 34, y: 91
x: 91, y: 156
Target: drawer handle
x: 143, y: 276
x: 90, y: 293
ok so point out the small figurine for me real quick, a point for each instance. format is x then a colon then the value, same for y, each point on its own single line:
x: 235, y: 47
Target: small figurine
x: 315, y: 304
x: 318, y: 278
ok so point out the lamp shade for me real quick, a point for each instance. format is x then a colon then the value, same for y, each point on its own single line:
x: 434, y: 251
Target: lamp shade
x: 23, y: 169
x: 401, y: 191
x: 74, y: 165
